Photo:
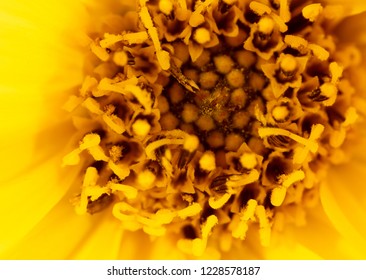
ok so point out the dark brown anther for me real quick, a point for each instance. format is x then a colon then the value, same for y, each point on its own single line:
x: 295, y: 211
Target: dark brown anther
x: 130, y: 59
x: 218, y: 184
x: 100, y: 204
x: 184, y: 158
x: 279, y: 141
x: 187, y: 83
x: 316, y: 95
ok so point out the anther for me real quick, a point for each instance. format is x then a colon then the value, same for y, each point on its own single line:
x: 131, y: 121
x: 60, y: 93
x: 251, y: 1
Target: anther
x: 312, y: 12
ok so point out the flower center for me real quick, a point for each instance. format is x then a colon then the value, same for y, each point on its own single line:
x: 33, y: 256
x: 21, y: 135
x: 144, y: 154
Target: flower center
x: 203, y: 119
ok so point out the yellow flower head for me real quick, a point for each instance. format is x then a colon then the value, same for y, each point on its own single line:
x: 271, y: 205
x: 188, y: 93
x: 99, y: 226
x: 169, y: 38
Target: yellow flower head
x: 212, y: 123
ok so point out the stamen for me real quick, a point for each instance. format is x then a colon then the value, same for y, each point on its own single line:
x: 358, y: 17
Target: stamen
x: 199, y: 244
x: 242, y: 180
x: 159, y: 143
x: 309, y: 143
x: 246, y: 214
x: 89, y: 142
x: 190, y: 211
x: 259, y: 8
x: 278, y: 194
x: 129, y: 191
x: 319, y: 52
x: 219, y: 202
x: 264, y: 226
x: 162, y: 56
x: 100, y: 52
x: 213, y: 118
x: 312, y: 12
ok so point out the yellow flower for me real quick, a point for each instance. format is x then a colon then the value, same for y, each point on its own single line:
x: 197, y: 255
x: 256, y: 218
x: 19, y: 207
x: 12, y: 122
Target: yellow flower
x: 182, y: 129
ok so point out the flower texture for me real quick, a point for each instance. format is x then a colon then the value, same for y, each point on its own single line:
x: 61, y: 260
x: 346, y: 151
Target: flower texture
x: 204, y: 129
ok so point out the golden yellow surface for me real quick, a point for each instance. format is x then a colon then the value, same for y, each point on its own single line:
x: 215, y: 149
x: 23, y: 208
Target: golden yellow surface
x: 42, y: 63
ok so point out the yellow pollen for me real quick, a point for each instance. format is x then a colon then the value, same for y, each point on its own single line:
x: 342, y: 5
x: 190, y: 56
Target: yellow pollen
x: 146, y: 179
x: 141, y: 127
x: 280, y: 113
x: 166, y: 6
x: 207, y: 161
x: 115, y: 153
x: 248, y: 160
x: 288, y: 63
x: 266, y: 25
x: 191, y: 143
x: 202, y: 35
x: 120, y: 58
